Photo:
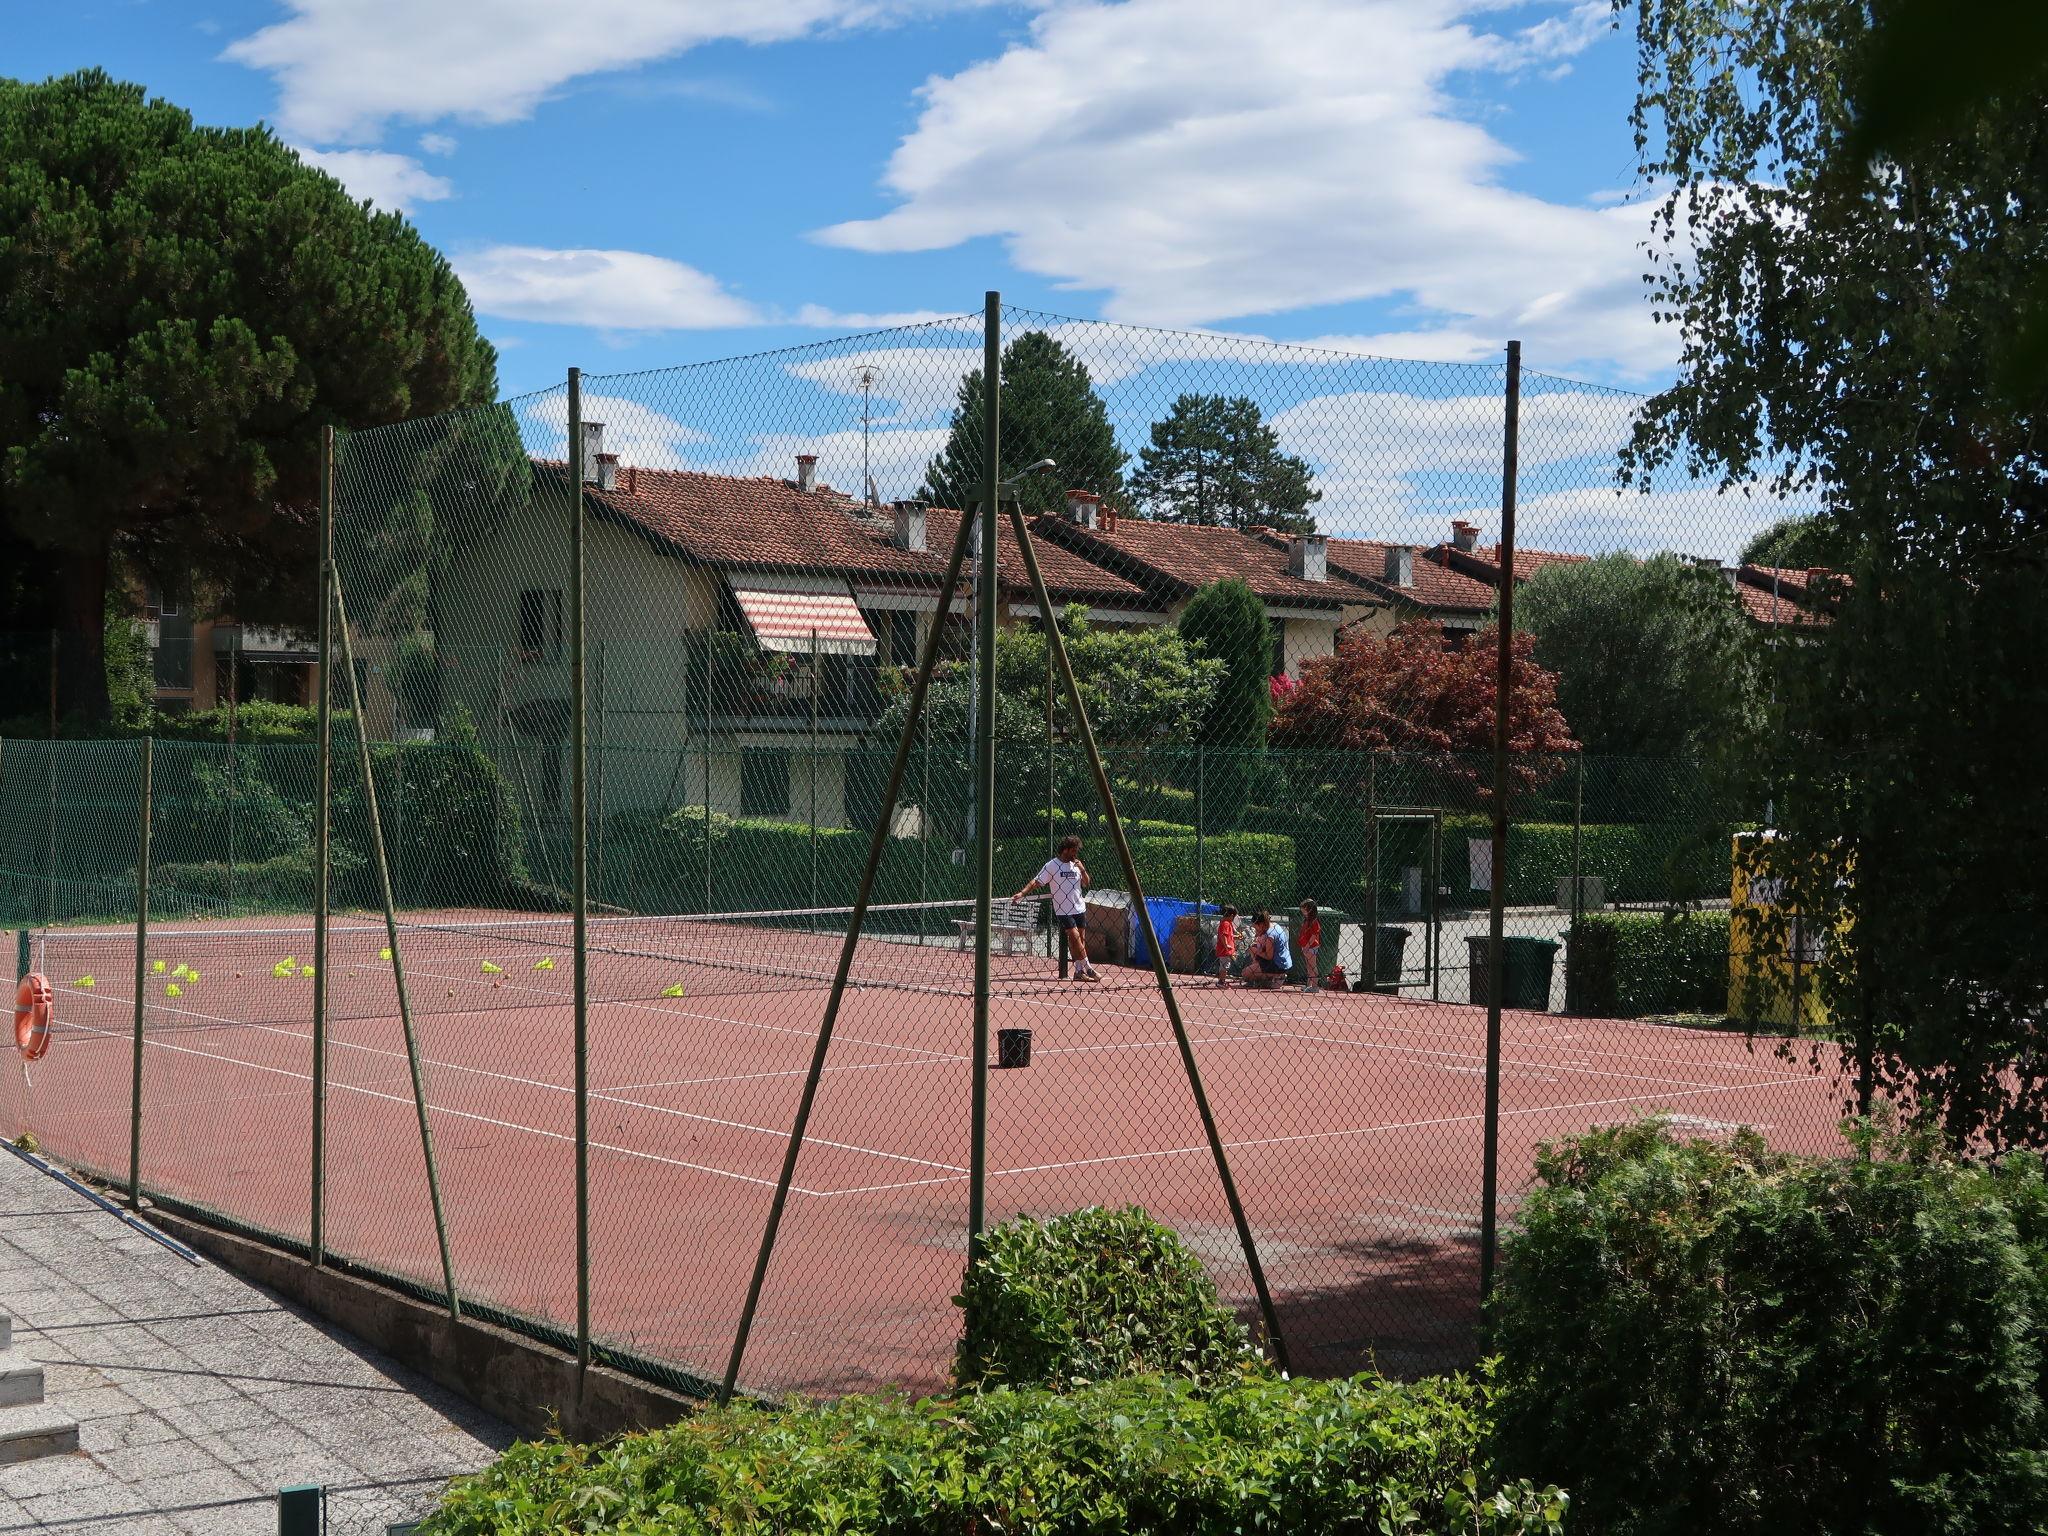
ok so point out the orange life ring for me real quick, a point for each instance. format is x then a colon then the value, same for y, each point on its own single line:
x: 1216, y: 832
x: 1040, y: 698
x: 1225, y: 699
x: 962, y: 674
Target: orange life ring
x: 32, y: 1003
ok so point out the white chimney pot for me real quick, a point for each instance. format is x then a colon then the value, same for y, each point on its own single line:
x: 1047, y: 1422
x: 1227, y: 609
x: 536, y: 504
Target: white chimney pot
x: 593, y: 445
x: 910, y: 530
x: 807, y: 471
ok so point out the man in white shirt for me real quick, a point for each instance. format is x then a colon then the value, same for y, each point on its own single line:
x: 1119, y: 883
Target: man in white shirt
x: 1066, y: 877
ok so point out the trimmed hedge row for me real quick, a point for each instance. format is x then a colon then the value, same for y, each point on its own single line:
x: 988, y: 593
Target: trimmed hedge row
x: 1638, y: 862
x: 1147, y: 1455
x: 1710, y: 1335
x: 1622, y: 965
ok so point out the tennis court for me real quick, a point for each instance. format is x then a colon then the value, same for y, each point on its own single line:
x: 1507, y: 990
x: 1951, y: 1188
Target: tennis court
x: 1353, y: 1122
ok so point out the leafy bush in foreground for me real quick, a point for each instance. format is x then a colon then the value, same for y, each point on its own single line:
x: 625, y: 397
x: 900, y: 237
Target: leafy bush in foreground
x: 1088, y: 1296
x: 1149, y: 1456
x: 1704, y: 1335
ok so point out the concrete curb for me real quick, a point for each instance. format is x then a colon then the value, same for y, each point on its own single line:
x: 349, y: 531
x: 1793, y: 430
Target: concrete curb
x: 529, y: 1385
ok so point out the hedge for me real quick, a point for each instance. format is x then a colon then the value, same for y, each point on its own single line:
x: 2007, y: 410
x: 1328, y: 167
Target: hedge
x: 1638, y: 862
x: 1709, y: 1335
x: 1622, y: 965
x: 1148, y: 1456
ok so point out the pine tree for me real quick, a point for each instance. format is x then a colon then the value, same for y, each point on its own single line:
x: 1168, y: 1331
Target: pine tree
x: 1214, y: 461
x: 181, y: 310
x: 1050, y: 411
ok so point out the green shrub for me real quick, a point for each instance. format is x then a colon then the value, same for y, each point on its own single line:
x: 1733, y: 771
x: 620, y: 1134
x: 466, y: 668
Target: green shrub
x: 281, y: 884
x: 1638, y: 863
x: 1091, y: 1295
x: 1622, y: 965
x: 1145, y: 1456
x: 1705, y: 1335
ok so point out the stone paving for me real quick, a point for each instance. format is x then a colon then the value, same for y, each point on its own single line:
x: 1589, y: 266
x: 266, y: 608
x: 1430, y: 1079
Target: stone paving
x: 198, y: 1395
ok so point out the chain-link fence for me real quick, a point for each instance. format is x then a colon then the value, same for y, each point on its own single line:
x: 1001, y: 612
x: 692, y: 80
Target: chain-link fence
x: 1271, y: 576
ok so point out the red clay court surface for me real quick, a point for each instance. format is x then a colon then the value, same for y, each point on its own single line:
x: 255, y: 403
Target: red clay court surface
x: 1353, y: 1125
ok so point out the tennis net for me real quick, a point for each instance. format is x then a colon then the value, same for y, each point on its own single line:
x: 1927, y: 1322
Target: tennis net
x: 213, y: 975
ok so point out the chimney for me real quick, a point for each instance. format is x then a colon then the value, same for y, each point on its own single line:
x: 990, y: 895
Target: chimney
x: 807, y: 471
x: 593, y: 445
x: 607, y: 471
x: 910, y: 527
x: 1084, y: 509
x: 1308, y: 557
x: 1400, y: 566
x: 632, y: 479
x: 1464, y: 535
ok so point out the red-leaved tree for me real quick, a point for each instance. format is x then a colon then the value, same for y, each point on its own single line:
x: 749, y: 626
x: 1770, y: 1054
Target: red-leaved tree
x: 1403, y: 692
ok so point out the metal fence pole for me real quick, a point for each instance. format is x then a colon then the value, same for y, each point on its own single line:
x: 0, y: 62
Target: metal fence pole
x: 817, y: 685
x: 323, y: 853
x: 985, y: 596
x: 234, y: 764
x: 1369, y: 962
x: 579, y: 810
x: 1143, y: 913
x: 878, y: 841
x: 704, y: 752
x: 384, y: 888
x: 1578, y: 898
x: 148, y: 766
x: 1496, y: 960
x: 1201, y: 811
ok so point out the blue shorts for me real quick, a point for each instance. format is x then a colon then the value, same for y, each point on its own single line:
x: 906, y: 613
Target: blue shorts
x: 1068, y: 921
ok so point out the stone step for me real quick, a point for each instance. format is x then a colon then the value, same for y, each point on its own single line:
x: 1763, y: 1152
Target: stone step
x: 35, y: 1429
x: 21, y: 1379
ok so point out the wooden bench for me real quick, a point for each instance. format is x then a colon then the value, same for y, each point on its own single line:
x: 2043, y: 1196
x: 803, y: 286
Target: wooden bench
x: 1009, y: 920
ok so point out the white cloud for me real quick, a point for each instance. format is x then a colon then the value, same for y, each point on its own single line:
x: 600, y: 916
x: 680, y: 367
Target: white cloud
x: 1195, y: 168
x: 1688, y: 518
x: 437, y: 144
x: 344, y: 68
x: 896, y: 457
x: 612, y: 290
x: 396, y: 182
x: 633, y: 430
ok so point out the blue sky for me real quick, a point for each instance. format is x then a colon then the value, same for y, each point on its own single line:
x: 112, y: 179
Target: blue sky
x: 626, y: 184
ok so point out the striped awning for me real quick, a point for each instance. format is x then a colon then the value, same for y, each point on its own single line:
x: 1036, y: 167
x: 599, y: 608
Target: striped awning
x: 789, y: 620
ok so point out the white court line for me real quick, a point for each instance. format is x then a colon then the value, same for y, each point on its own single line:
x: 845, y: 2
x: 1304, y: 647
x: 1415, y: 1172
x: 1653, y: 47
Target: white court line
x: 1243, y: 1034
x: 509, y: 1125
x: 781, y: 1133
x: 1336, y: 1135
x: 1152, y: 1017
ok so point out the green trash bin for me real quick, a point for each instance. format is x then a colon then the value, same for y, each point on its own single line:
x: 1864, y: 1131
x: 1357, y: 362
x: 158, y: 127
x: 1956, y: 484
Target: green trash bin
x: 1390, y: 958
x: 1525, y: 971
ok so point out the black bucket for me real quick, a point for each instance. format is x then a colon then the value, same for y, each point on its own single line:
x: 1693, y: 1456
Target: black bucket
x: 1013, y: 1048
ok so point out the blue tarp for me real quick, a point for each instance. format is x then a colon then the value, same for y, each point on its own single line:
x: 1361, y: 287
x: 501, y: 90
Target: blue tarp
x: 1166, y: 911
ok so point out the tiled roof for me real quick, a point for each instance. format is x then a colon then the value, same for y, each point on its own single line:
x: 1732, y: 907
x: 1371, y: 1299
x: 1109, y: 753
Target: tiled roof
x: 753, y: 523
x: 1365, y: 562
x: 1775, y: 595
x: 1175, y: 559
x: 1482, y: 561
x: 1067, y: 575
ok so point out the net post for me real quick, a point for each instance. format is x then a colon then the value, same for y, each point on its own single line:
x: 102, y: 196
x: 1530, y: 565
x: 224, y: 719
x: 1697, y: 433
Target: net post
x: 1496, y: 961
x: 384, y: 890
x: 148, y: 770
x: 1578, y: 901
x: 579, y: 810
x: 704, y: 752
x: 1274, y: 1341
x: 985, y: 598
x: 316, y: 1229
x: 878, y: 840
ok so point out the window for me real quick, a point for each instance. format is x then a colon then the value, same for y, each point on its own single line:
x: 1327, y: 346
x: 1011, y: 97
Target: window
x: 1277, y: 629
x: 903, y: 639
x: 764, y: 783
x: 540, y: 624
x: 174, y: 651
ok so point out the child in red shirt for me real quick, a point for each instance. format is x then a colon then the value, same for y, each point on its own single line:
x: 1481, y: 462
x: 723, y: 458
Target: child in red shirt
x: 1226, y: 945
x: 1310, y: 944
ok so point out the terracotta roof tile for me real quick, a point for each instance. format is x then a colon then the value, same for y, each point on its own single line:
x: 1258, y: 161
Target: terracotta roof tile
x: 754, y: 523
x: 1781, y: 596
x: 1174, y: 559
x: 1365, y: 562
x: 1482, y: 561
x: 1067, y: 575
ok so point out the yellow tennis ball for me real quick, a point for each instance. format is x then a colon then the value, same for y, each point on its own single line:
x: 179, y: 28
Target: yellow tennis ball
x: 544, y: 964
x: 85, y: 981
x: 674, y: 991
x: 493, y: 970
x: 158, y: 967
x: 383, y: 954
x: 172, y: 989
